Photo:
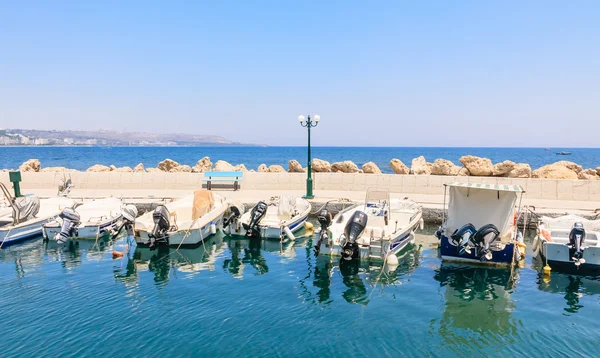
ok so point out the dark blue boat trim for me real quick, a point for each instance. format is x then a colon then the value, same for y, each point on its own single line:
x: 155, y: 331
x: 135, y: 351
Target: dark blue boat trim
x: 499, y: 257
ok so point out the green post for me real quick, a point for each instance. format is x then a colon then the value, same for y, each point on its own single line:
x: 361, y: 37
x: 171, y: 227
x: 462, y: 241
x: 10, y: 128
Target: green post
x: 309, y: 181
x: 15, y: 178
x: 308, y: 123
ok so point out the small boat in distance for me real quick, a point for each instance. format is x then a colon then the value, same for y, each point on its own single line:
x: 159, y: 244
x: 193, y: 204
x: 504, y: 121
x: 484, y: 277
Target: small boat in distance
x: 481, y: 224
x: 276, y: 218
x: 379, y: 229
x: 563, y: 153
x: 569, y: 244
x: 187, y: 221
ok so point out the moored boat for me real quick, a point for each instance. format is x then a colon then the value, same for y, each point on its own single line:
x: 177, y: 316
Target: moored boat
x: 187, y: 221
x: 91, y: 220
x: 378, y: 229
x: 569, y: 243
x: 277, y: 218
x: 480, y: 226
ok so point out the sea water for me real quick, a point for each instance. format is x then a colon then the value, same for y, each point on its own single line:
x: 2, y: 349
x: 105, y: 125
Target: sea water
x: 231, y: 297
x: 81, y: 158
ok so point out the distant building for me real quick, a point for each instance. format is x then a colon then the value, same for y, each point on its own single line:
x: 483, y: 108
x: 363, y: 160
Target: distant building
x: 41, y: 141
x: 68, y: 141
x: 8, y: 141
x: 91, y: 142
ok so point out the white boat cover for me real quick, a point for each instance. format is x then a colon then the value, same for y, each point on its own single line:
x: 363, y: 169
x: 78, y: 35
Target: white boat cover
x: 481, y: 206
x: 286, y: 206
x: 28, y: 207
x: 566, y: 222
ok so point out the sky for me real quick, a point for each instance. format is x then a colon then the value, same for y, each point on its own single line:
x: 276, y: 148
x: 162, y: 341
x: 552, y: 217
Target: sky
x: 379, y: 73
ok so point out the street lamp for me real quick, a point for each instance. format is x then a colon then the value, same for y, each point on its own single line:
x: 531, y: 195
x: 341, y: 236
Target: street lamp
x: 308, y: 123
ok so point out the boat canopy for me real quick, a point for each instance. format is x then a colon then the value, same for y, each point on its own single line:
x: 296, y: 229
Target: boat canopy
x: 566, y: 222
x: 482, y: 204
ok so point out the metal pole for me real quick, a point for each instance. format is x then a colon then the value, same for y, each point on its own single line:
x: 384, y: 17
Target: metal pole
x: 309, y: 181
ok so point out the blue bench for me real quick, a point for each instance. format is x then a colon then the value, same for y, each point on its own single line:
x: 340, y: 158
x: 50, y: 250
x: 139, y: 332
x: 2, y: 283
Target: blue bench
x: 223, y: 177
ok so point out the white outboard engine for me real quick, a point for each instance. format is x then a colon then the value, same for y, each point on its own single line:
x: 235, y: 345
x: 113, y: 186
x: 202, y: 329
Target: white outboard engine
x: 256, y: 215
x: 576, y: 241
x: 324, y: 219
x: 237, y: 210
x: 161, y: 226
x: 354, y: 228
x: 71, y: 219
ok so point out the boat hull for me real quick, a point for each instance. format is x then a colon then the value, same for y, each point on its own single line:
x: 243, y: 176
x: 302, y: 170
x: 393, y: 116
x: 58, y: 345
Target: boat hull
x: 194, y: 236
x: 450, y: 253
x: 558, y: 257
x: 90, y: 232
x: 22, y: 232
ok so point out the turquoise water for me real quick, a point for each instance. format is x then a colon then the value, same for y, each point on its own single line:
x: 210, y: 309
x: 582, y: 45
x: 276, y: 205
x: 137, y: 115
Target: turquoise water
x: 237, y: 298
x: 81, y: 158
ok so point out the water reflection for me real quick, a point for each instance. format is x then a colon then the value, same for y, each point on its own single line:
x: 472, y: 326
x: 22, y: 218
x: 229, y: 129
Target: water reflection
x: 170, y: 262
x: 477, y: 300
x: 358, y: 277
x: 248, y: 252
x: 572, y: 288
x: 72, y: 253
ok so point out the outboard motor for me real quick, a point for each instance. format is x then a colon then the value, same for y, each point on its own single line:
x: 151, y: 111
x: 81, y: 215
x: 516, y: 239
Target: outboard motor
x: 64, y: 187
x: 483, y: 238
x: 237, y: 210
x: 71, y: 219
x: 256, y: 215
x: 576, y: 241
x: 161, y: 225
x: 324, y: 219
x: 461, y: 236
x: 354, y: 228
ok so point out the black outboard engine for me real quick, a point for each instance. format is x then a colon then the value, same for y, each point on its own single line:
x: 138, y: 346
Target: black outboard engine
x: 576, y: 240
x: 236, y: 212
x: 256, y: 215
x: 324, y: 219
x: 71, y: 219
x: 483, y: 238
x: 354, y: 228
x: 461, y: 236
x: 161, y: 225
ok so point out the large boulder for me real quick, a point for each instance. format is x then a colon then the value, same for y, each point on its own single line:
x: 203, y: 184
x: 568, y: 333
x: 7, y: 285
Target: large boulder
x: 444, y: 167
x: 276, y: 169
x: 181, y: 169
x: 346, y: 166
x: 167, y: 165
x: 520, y: 170
x: 555, y: 171
x: 57, y: 170
x: 463, y: 172
x: 481, y: 167
x: 321, y: 166
x: 370, y: 168
x: 588, y: 174
x: 295, y: 167
x: 32, y: 165
x: 139, y: 168
x: 223, y: 166
x: 123, y: 170
x: 570, y: 165
x: 203, y: 165
x: 262, y: 168
x: 98, y: 168
x: 501, y: 169
x: 398, y: 167
x: 598, y: 170
x: 240, y: 168
x: 419, y: 166
x: 112, y: 168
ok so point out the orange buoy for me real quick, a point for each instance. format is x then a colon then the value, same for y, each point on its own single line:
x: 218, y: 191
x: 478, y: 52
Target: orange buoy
x: 546, y: 235
x: 117, y: 254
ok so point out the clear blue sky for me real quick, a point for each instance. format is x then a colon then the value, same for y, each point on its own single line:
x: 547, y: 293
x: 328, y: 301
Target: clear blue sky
x: 398, y: 73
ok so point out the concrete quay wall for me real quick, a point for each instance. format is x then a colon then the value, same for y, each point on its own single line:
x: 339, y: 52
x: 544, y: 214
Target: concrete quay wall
x: 547, y: 189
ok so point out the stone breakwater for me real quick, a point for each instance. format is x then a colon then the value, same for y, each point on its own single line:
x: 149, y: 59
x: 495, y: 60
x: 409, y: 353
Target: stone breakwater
x: 470, y: 166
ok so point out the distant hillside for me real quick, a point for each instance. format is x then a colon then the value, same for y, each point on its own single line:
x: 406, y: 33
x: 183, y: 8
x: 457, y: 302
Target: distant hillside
x: 56, y: 137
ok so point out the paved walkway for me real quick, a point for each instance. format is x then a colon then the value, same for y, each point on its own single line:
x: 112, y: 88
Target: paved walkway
x: 433, y: 201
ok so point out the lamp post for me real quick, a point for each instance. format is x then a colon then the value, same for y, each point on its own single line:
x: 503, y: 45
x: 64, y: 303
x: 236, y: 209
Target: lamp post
x: 308, y: 123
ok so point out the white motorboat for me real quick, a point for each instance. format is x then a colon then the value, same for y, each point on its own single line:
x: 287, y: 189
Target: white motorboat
x: 91, y: 220
x: 481, y: 224
x: 277, y: 218
x: 187, y: 221
x: 569, y: 243
x: 378, y: 229
x: 22, y: 217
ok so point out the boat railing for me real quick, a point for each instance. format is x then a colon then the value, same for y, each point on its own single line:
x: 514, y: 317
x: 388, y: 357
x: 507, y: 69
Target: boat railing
x: 11, y: 202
